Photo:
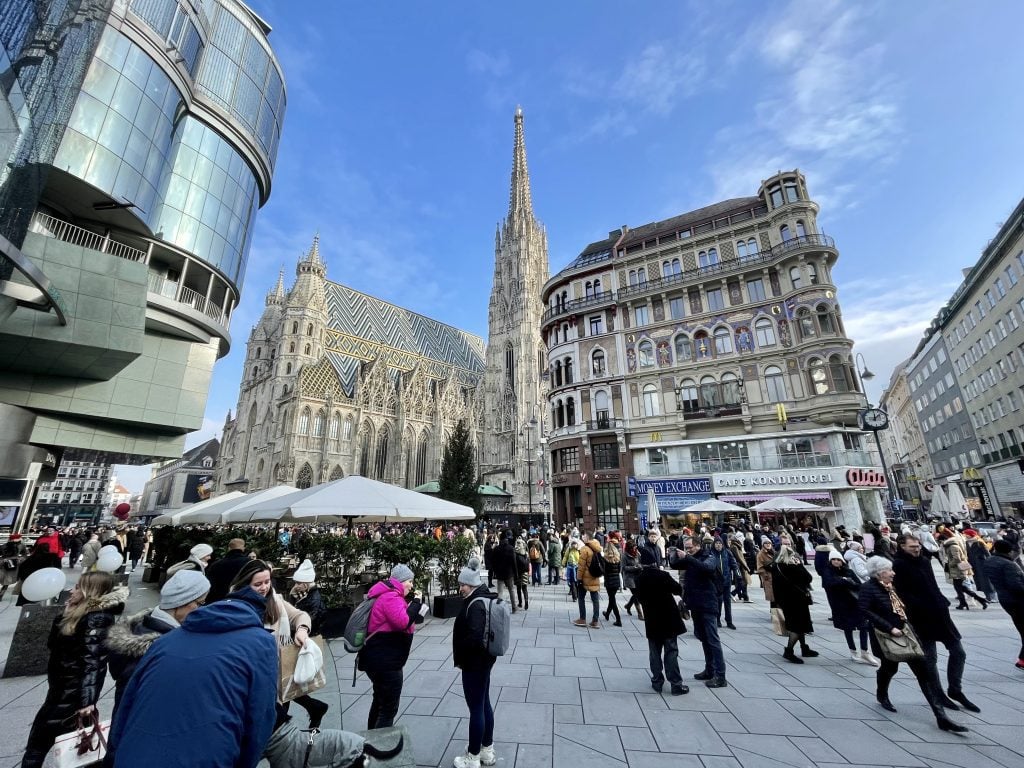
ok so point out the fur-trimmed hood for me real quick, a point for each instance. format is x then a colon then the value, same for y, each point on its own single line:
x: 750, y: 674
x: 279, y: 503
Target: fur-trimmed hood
x: 131, y: 637
x: 117, y: 597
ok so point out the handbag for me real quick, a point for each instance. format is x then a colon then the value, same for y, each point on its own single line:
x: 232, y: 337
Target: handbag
x: 778, y: 622
x: 86, y: 745
x: 904, y: 648
x: 309, y: 662
x: 287, y: 688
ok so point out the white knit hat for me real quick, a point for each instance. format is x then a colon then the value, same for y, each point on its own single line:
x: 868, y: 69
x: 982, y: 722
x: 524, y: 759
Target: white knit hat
x: 199, y: 551
x: 305, y: 573
x: 834, y: 554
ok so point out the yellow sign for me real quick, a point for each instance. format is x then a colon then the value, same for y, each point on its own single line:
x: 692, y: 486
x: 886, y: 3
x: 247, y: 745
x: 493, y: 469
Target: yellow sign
x: 972, y: 474
x: 655, y: 437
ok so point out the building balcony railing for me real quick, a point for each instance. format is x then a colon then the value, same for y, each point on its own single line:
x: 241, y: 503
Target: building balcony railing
x: 730, y: 265
x: 802, y: 460
x: 604, y: 424
x: 45, y: 224
x: 576, y: 305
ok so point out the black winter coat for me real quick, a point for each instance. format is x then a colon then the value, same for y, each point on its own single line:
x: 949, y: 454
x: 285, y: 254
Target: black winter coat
x: 222, y: 572
x: 791, y: 584
x: 612, y: 575
x: 127, y: 642
x: 1007, y: 579
x: 630, y: 567
x: 927, y: 607
x: 654, y: 590
x: 841, y: 587
x: 977, y: 554
x: 702, y: 583
x: 876, y: 605
x: 503, y: 558
x: 78, y: 663
x: 136, y: 543
x: 468, y: 648
x: 313, y: 604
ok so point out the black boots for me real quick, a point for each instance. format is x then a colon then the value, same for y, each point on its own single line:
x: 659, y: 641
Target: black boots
x: 791, y: 657
x: 882, y: 697
x: 963, y: 701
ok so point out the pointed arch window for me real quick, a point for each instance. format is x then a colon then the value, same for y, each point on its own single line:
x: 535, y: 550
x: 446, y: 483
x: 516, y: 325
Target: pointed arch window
x: 291, y: 347
x: 309, y: 329
x: 305, y: 477
x: 346, y: 431
x: 332, y: 429
x: 510, y: 365
x: 684, y: 348
x: 318, y: 424
x: 337, y: 473
x: 304, y: 422
x: 364, y: 453
x: 645, y: 354
x: 309, y: 349
x: 295, y: 327
x: 421, y: 460
x: 775, y: 384
x: 380, y: 463
x: 259, y: 352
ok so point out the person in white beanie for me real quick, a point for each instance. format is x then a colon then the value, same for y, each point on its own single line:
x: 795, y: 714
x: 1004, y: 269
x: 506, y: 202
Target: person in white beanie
x: 469, y: 653
x: 129, y: 640
x: 197, y: 560
x: 841, y: 587
x: 305, y: 595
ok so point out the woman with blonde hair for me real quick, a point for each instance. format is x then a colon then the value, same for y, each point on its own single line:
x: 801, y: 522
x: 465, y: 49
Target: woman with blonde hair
x: 289, y: 624
x: 78, y: 661
x: 612, y: 576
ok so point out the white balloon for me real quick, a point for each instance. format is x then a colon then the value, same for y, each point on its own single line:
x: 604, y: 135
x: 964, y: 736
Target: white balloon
x: 43, y: 584
x: 109, y: 559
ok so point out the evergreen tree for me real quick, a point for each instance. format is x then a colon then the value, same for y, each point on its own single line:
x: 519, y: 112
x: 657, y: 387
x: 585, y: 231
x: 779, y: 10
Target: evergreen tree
x: 458, y: 472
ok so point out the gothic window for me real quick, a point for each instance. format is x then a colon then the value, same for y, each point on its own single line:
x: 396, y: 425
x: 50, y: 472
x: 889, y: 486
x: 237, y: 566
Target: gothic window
x: 318, y: 424
x: 765, y: 333
x: 305, y: 477
x: 295, y: 327
x: 255, y: 371
x: 309, y: 329
x: 775, y: 384
x: 309, y: 349
x: 597, y: 362
x: 259, y: 471
x: 346, y: 432
x: 364, y: 452
x: 380, y: 464
x: 650, y: 397
x: 568, y: 370
x: 332, y: 430
x: 570, y: 411
x: 421, y: 460
x: 684, y: 348
x: 510, y: 365
x: 723, y: 341
x: 337, y: 473
x: 645, y: 354
x: 304, y: 422
x: 784, y: 233
x: 259, y: 352
x: 291, y: 347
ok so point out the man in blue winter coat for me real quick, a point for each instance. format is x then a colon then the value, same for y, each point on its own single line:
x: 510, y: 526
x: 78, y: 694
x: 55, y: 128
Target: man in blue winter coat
x: 702, y: 585
x: 204, y: 695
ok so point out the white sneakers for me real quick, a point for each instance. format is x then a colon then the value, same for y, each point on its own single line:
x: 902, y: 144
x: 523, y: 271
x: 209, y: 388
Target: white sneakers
x: 865, y: 657
x: 468, y: 760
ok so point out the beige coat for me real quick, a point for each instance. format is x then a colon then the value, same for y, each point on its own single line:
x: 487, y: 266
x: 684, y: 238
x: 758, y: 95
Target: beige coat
x: 956, y: 553
x: 764, y: 564
x: 590, y: 583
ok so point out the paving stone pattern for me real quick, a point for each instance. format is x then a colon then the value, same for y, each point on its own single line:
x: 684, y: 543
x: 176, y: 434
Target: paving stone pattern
x: 565, y: 695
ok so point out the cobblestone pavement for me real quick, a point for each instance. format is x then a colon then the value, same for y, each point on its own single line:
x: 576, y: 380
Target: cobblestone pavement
x: 566, y: 695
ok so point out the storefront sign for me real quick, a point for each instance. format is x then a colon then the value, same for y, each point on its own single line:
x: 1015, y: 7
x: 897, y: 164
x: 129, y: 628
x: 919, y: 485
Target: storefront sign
x: 667, y: 485
x: 791, y: 479
x: 865, y: 478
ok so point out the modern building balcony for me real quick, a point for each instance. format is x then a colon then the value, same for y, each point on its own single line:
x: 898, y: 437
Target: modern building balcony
x: 800, y: 460
x: 815, y: 242
x: 178, y: 282
x: 577, y: 305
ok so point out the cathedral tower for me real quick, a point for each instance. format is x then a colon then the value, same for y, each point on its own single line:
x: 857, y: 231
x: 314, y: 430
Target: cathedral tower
x: 515, y: 391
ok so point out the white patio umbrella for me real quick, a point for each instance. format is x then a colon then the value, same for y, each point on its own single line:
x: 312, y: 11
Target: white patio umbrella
x: 653, y: 513
x: 216, y: 501
x: 940, y: 504
x: 354, y: 498
x: 235, y: 511
x: 787, y: 504
x: 957, y: 503
x: 714, y: 505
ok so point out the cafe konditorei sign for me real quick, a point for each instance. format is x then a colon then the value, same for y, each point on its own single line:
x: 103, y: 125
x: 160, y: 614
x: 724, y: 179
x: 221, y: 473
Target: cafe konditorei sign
x: 830, y: 477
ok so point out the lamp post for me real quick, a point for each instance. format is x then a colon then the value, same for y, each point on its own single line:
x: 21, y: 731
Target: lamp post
x: 542, y: 453
x: 866, y: 375
x: 529, y: 468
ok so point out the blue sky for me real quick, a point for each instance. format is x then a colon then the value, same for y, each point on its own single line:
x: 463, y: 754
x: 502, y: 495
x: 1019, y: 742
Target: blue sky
x: 905, y: 118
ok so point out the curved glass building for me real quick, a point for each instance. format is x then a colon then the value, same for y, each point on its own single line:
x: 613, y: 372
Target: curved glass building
x: 140, y: 138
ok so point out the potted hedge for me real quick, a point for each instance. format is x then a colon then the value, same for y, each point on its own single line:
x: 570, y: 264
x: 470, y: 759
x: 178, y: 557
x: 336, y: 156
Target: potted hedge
x: 339, y: 563
x: 452, y: 556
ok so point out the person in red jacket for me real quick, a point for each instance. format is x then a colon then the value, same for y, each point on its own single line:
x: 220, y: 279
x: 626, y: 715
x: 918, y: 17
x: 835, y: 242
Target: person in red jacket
x: 393, y: 620
x: 50, y: 537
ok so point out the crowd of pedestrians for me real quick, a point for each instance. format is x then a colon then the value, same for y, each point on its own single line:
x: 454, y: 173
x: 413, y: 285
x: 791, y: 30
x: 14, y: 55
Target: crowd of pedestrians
x: 221, y: 625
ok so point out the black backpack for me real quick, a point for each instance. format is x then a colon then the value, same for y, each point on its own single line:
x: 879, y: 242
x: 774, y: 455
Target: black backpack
x: 596, y: 565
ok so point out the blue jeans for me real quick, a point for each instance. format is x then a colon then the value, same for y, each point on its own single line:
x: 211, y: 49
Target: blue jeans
x: 535, y: 572
x: 705, y: 629
x: 670, y: 648
x: 581, y: 596
x: 476, y: 687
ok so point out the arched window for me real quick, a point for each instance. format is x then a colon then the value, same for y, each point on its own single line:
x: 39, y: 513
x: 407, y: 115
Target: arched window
x: 795, y: 276
x: 564, y: 299
x: 568, y: 370
x: 364, y: 450
x: 710, y: 395
x: 259, y: 470
x: 707, y: 258
x: 570, y: 411
x: 641, y: 275
x: 380, y: 463
x: 837, y: 371
x: 589, y: 290
x: 558, y: 373
x: 559, y: 414
x: 775, y: 384
x: 287, y: 368
x: 701, y: 346
x: 632, y: 277
x: 601, y: 409
x: 645, y: 354
x: 295, y: 327
x: 805, y: 323
x: 688, y: 396
x: 741, y: 249
x: 672, y: 267
x: 510, y: 364
x: 319, y: 423
x: 309, y: 329
x: 597, y: 363
x: 337, y: 473
x: 818, y: 375
x: 259, y: 352
x: 800, y: 230
x: 826, y: 322
x: 723, y: 341
x: 785, y: 233
x: 597, y: 286
x: 309, y: 349
x: 812, y: 273
x: 684, y: 348
x: 732, y: 392
x: 764, y: 332
x: 751, y: 247
x: 332, y: 429
x: 291, y: 347
x: 305, y: 477
x: 346, y: 432
x: 255, y: 371
x: 421, y: 460
x: 650, y: 400
x: 304, y: 422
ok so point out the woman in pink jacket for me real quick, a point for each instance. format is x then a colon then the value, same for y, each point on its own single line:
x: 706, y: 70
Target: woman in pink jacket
x: 393, y: 620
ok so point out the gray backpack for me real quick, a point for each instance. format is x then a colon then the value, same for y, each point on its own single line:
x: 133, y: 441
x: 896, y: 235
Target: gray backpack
x: 498, y: 627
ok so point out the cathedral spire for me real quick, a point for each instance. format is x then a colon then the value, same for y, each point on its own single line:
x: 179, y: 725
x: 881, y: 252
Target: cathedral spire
x: 519, y: 202
x: 277, y: 295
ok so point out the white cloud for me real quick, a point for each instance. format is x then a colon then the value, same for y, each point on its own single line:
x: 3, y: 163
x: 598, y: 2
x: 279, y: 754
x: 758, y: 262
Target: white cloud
x: 660, y: 77
x: 484, y: 63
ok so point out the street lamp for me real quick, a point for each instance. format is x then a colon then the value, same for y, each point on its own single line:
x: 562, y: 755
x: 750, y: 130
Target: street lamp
x: 862, y: 371
x: 861, y: 366
x: 529, y: 468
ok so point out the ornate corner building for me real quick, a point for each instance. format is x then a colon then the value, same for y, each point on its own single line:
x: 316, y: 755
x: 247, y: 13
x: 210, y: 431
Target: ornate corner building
x: 336, y: 382
x: 138, y: 140
x: 705, y: 355
x: 514, y: 385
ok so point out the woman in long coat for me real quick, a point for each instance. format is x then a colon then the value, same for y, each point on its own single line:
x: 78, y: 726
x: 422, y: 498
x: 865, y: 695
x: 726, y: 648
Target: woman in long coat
x: 791, y: 584
x: 765, y: 558
x: 977, y: 554
x: 78, y: 661
x: 841, y: 586
x: 630, y: 568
